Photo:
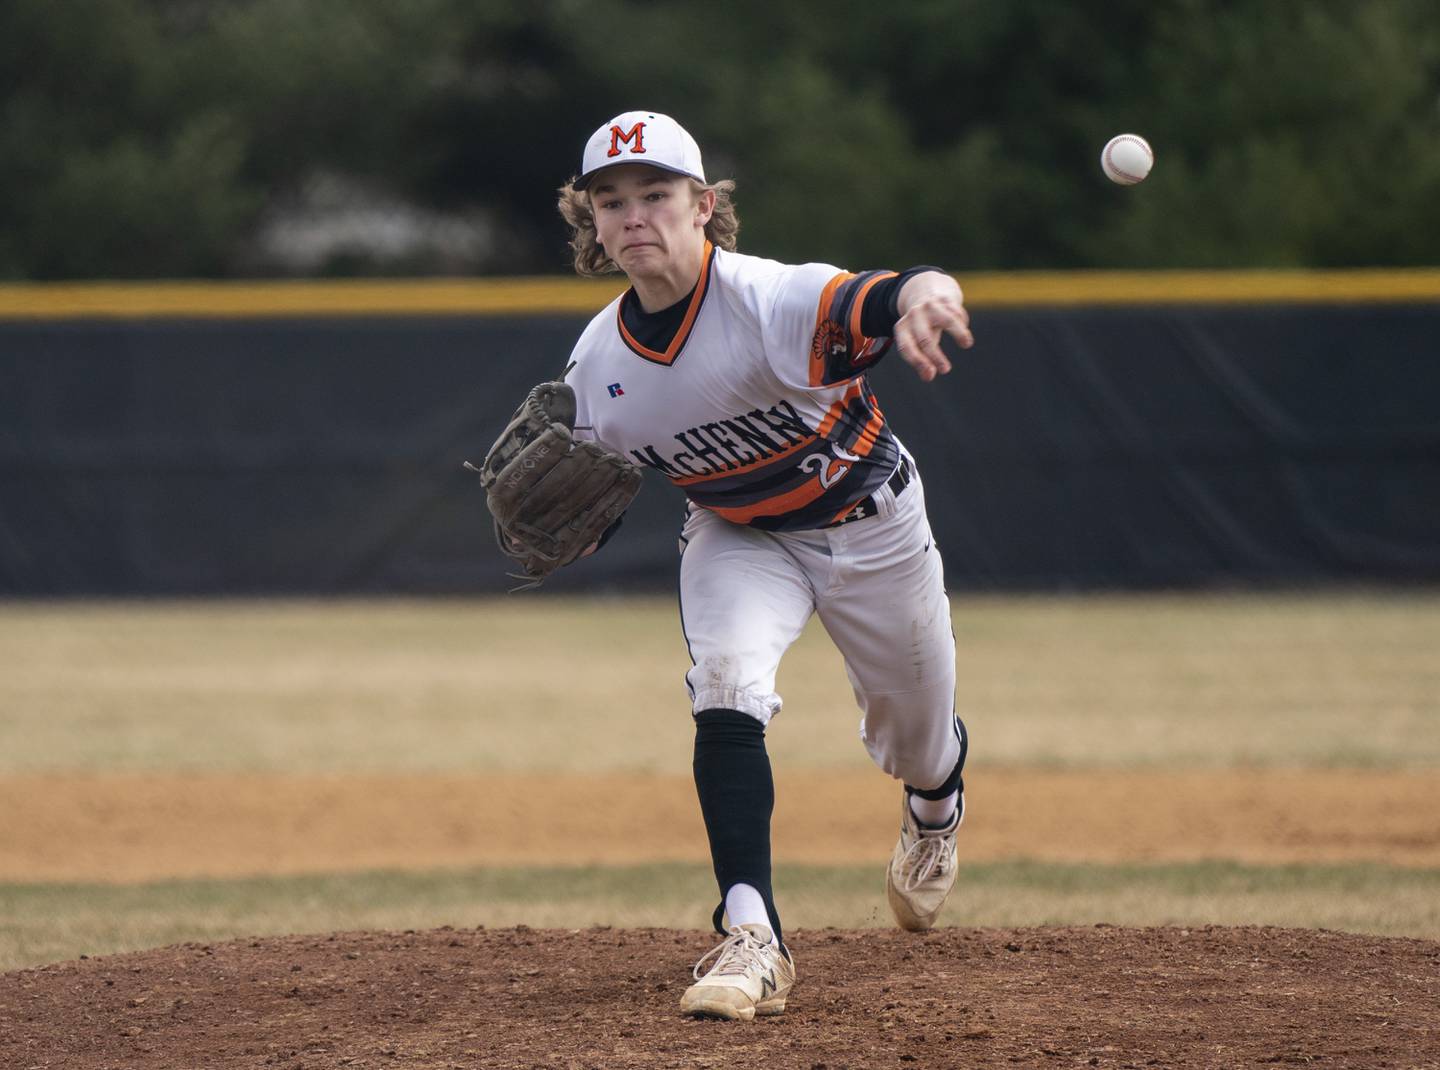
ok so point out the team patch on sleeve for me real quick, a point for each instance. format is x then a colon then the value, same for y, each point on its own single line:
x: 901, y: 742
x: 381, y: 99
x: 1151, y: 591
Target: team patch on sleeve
x: 839, y: 349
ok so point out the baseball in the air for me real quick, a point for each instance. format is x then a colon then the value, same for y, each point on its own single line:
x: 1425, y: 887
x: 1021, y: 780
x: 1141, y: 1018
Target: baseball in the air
x: 1127, y: 159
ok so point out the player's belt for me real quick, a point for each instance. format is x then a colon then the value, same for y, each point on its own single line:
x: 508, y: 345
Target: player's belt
x: 898, y: 481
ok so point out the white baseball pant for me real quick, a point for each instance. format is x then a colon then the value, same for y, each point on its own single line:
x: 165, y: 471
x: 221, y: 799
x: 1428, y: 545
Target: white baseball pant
x: 879, y: 588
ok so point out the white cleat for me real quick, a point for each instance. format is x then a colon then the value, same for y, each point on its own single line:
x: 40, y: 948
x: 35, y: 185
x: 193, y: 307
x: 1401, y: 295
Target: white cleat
x: 751, y: 976
x: 922, y: 869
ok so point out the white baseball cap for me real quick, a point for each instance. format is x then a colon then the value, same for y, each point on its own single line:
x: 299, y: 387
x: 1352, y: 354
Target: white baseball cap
x: 641, y: 137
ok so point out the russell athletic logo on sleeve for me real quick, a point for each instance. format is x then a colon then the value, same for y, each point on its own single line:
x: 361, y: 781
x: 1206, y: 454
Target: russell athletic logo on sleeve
x: 615, y: 390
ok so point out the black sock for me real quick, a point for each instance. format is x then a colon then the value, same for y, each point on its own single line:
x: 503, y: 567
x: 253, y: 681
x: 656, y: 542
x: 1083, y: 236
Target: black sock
x: 737, y: 798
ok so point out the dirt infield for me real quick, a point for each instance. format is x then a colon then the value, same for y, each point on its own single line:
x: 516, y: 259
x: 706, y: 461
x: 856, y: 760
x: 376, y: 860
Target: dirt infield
x: 521, y: 998
x: 527, y: 999
x: 120, y: 828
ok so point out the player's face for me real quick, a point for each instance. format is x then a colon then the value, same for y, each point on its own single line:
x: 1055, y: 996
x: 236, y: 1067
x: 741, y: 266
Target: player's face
x: 651, y: 222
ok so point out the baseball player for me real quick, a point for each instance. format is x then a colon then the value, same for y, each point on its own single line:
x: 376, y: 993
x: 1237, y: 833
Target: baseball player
x: 744, y: 382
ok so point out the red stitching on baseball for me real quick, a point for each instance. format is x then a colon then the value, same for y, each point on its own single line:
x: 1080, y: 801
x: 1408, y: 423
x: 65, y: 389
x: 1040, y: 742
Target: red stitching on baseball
x: 1110, y: 155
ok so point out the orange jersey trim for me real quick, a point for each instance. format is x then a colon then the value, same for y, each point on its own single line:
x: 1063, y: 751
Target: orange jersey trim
x: 682, y: 336
x: 869, y: 435
x: 802, y: 495
x: 835, y: 411
x: 857, y: 306
x: 822, y: 313
x: 827, y: 331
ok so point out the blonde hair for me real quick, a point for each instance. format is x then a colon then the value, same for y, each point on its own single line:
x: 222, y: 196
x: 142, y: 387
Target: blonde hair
x: 591, y: 258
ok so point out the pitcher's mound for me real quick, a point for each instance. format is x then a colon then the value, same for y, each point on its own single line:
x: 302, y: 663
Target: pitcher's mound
x: 607, y: 998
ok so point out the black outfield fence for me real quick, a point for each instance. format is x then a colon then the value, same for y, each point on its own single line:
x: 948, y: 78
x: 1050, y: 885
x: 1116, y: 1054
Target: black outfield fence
x: 1079, y: 445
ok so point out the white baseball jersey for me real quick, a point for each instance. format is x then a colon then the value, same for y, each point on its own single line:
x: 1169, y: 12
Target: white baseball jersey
x: 752, y: 397
x: 757, y: 406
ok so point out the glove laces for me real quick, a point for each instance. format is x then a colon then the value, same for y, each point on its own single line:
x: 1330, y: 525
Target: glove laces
x: 527, y: 581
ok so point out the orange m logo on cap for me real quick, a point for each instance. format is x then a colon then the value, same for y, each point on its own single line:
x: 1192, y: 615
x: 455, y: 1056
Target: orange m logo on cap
x: 636, y: 135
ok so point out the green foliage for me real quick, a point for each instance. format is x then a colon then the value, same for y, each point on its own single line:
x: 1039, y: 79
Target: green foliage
x: 154, y: 137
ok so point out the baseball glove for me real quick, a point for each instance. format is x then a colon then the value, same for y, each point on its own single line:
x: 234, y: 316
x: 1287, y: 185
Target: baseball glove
x: 552, y: 496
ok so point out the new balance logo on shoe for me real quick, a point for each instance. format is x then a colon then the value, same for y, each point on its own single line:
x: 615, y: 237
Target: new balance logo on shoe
x: 751, y: 976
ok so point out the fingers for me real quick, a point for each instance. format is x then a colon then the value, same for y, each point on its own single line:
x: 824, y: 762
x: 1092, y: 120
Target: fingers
x: 919, y: 331
x: 960, y: 328
x: 921, y: 350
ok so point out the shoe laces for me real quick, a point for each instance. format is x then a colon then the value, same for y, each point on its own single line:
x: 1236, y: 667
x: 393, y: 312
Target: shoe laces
x: 738, y: 954
x: 925, y: 859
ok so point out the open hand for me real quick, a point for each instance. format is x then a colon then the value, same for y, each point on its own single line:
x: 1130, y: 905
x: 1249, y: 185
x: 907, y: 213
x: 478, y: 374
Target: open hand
x: 931, y: 306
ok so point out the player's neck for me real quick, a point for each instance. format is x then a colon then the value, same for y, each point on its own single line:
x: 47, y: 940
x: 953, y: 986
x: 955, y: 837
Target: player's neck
x: 665, y: 287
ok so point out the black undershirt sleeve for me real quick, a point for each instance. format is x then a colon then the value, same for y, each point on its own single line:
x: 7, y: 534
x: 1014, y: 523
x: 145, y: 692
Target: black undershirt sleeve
x: 879, y: 313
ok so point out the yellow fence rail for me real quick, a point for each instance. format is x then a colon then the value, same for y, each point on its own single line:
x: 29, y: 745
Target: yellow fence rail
x: 542, y: 296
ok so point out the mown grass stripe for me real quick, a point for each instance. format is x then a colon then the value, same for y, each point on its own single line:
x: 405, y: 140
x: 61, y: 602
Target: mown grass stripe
x: 45, y: 923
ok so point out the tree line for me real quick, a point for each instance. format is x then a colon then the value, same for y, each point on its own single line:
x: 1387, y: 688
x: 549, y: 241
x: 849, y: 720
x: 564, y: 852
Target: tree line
x: 215, y: 138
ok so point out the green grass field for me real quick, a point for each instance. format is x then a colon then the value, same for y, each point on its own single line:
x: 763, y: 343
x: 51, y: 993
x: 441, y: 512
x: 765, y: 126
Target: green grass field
x: 41, y: 923
x: 1163, y: 682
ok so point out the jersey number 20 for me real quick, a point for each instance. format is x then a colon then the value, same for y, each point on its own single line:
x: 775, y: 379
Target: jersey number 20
x: 830, y: 470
